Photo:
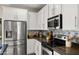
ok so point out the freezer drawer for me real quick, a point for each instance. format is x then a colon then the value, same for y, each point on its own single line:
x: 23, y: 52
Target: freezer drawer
x: 10, y: 50
x: 15, y: 50
x: 21, y: 50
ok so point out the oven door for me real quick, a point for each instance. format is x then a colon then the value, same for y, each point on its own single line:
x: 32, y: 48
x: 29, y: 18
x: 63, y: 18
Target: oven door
x: 46, y: 51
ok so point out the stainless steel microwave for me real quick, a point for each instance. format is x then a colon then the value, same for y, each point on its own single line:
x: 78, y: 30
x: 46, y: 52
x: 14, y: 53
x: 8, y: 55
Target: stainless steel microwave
x: 55, y: 22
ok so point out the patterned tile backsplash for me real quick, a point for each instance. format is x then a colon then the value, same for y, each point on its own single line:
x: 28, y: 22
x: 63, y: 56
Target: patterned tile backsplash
x: 56, y: 32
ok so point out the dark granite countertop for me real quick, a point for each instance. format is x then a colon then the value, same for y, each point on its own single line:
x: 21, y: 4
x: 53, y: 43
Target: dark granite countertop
x: 62, y: 50
x: 67, y: 51
x: 3, y: 49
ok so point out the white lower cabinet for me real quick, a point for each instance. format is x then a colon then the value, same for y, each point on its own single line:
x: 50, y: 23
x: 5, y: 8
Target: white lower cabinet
x: 33, y: 46
x: 30, y: 46
x: 55, y: 53
x: 38, y: 50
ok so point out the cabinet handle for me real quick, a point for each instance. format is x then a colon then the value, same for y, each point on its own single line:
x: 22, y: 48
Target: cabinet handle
x: 43, y: 26
x: 75, y: 21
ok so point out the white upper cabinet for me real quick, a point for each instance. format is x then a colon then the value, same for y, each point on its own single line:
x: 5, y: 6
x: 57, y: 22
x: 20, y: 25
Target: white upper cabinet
x: 46, y: 12
x: 45, y: 17
x: 70, y: 16
x: 77, y: 18
x: 21, y: 14
x: 58, y: 9
x: 0, y: 12
x: 10, y: 13
x: 42, y: 18
x: 32, y: 21
x: 51, y: 10
x: 69, y: 12
x: 54, y: 9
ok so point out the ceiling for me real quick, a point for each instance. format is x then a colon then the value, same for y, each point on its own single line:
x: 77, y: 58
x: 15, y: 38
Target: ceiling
x: 30, y: 7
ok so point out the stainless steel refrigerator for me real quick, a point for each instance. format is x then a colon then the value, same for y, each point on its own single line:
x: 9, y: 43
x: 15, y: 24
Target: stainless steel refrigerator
x: 15, y: 37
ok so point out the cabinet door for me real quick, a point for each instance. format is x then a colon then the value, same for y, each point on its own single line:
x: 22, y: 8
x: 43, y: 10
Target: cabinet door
x: 69, y: 13
x: 40, y: 19
x: 38, y: 47
x: 51, y: 10
x: 54, y: 9
x: 0, y: 12
x: 58, y: 9
x: 77, y: 18
x: 21, y: 14
x: 14, y: 14
x: 32, y: 21
x: 45, y: 17
x: 30, y: 46
x: 8, y: 13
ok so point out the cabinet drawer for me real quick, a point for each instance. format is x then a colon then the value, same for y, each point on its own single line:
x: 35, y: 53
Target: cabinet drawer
x: 10, y: 50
